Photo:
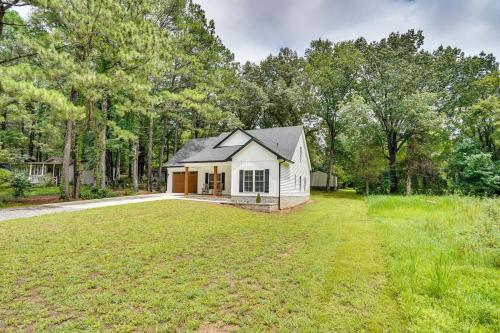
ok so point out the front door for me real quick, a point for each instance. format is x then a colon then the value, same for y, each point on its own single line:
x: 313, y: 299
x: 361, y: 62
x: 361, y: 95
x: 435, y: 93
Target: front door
x: 178, y: 182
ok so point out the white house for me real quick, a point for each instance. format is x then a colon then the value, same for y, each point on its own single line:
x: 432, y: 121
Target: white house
x: 273, y: 162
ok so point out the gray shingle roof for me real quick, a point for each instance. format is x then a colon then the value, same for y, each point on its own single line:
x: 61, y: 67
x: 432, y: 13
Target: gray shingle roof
x: 280, y: 140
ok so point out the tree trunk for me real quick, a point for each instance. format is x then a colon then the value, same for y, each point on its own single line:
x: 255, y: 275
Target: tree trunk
x: 164, y: 134
x: 367, y: 187
x: 102, y: 142
x: 331, y: 152
x: 117, y: 166
x: 150, y: 152
x: 68, y: 140
x: 2, y: 14
x: 409, y: 165
x: 135, y: 164
x: 408, y: 184
x: 392, y: 146
x: 31, y: 143
x: 76, y: 172
x: 175, y: 138
x: 330, y: 169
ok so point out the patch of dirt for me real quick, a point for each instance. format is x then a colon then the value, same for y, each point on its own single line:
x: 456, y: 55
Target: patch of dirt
x: 35, y: 200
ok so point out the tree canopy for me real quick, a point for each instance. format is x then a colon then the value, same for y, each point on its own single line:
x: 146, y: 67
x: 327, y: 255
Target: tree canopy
x: 123, y: 85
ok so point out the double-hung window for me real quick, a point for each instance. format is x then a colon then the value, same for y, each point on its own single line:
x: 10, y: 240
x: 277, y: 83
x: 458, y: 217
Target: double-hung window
x: 256, y: 181
x: 259, y: 180
x: 248, y: 182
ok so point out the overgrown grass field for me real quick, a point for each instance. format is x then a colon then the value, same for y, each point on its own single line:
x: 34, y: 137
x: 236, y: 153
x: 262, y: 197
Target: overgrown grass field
x: 444, y: 259
x: 331, y: 265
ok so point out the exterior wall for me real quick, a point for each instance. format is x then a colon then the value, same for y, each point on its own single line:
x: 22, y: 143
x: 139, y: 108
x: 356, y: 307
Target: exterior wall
x: 254, y: 157
x: 286, y: 202
x: 237, y: 139
x: 210, y: 169
x: 251, y: 199
x: 292, y: 172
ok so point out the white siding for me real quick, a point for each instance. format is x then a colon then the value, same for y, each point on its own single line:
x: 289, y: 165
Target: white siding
x: 254, y: 157
x: 237, y: 139
x: 297, y: 170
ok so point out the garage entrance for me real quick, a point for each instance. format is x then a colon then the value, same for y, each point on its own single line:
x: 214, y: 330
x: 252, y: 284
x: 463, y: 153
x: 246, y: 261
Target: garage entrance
x: 178, y: 182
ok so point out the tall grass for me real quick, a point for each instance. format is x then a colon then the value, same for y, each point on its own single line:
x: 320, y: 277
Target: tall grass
x: 444, y: 259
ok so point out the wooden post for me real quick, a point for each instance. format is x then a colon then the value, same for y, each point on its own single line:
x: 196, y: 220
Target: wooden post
x: 215, y: 180
x: 186, y: 180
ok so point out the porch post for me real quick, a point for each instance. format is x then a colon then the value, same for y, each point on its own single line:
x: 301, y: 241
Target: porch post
x: 186, y: 180
x: 215, y: 180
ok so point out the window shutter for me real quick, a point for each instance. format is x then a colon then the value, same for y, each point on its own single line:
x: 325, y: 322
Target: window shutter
x: 241, y: 180
x: 266, y: 181
x: 206, y: 178
x: 223, y: 181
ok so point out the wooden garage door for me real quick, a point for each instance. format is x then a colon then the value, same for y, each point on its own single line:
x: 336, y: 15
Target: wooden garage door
x: 178, y: 182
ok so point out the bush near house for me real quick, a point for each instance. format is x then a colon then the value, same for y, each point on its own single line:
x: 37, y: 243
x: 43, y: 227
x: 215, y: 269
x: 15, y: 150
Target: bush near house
x: 20, y: 184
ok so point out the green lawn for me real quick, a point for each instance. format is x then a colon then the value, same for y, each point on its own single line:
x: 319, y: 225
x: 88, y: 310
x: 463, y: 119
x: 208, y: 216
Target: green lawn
x: 188, y: 266
x: 7, y: 193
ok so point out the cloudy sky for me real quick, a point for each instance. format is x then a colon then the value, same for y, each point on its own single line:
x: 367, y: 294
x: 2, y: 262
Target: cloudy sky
x: 253, y: 29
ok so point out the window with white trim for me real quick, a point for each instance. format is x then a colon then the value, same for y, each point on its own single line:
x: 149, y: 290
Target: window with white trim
x: 259, y: 180
x: 248, y: 181
x: 305, y: 184
x: 300, y: 183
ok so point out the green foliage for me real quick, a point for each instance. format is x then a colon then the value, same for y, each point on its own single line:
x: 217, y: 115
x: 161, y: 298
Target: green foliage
x: 472, y: 171
x: 89, y: 193
x: 5, y: 176
x: 258, y: 199
x: 20, y: 184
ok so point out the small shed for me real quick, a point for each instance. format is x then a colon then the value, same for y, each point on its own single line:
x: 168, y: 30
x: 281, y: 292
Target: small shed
x: 318, y: 180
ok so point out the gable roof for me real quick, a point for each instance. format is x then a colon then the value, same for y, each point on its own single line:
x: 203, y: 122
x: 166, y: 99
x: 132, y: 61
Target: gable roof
x: 281, y: 141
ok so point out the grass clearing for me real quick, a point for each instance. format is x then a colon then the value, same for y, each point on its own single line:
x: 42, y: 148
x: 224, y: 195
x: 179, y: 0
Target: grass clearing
x: 187, y: 266
x: 7, y: 193
x: 444, y: 259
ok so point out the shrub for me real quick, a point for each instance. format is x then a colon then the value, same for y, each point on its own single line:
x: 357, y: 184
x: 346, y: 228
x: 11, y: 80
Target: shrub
x: 258, y: 199
x: 88, y: 193
x: 20, y: 184
x: 5, y: 176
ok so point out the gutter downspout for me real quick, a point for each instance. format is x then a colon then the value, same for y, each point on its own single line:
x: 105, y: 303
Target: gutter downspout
x: 279, y: 183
